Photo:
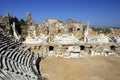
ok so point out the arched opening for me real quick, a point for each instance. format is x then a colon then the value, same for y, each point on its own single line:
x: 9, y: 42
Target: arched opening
x: 59, y: 31
x: 82, y: 47
x: 51, y: 48
x: 112, y: 47
x: 78, y: 29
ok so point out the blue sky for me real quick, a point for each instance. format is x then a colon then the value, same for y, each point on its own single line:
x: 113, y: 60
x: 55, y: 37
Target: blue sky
x: 97, y: 12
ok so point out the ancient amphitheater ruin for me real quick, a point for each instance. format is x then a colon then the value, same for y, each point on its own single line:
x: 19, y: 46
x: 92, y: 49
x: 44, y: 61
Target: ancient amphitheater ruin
x: 19, y: 59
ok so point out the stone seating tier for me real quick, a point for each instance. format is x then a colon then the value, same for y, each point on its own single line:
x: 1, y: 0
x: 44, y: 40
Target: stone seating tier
x: 15, y: 61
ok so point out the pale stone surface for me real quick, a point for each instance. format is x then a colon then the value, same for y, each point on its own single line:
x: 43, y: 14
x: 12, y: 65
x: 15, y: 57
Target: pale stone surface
x: 116, y: 39
x: 37, y: 40
x: 97, y: 39
x: 66, y: 39
x: 74, y: 49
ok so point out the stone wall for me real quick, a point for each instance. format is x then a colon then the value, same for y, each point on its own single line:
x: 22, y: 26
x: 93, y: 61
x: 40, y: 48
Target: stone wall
x: 62, y: 37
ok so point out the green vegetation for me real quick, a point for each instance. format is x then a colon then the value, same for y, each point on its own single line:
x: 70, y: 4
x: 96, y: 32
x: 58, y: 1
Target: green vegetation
x: 22, y: 22
x: 101, y: 30
x: 116, y: 27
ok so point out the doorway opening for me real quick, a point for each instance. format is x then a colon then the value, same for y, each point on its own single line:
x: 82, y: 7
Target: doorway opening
x: 51, y: 48
x: 112, y: 47
x: 82, y: 47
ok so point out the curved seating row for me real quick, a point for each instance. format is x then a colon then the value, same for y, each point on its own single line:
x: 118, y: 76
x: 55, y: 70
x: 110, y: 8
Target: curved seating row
x: 15, y: 62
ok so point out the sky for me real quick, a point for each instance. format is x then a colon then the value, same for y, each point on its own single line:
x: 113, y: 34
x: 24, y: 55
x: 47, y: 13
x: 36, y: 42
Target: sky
x: 97, y: 12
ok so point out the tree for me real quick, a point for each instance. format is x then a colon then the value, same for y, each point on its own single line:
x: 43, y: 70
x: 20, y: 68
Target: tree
x: 22, y: 22
x: 101, y: 30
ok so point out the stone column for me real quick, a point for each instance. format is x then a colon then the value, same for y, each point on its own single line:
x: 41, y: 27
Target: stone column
x: 14, y: 32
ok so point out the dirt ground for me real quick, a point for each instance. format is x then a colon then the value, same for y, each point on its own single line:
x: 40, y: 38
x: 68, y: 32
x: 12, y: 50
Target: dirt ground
x: 90, y: 68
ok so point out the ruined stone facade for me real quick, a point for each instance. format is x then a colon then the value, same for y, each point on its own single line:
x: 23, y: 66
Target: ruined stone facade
x: 54, y: 38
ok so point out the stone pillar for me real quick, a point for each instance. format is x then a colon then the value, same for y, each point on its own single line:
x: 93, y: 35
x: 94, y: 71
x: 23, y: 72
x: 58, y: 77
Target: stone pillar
x: 86, y: 31
x: 14, y: 32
